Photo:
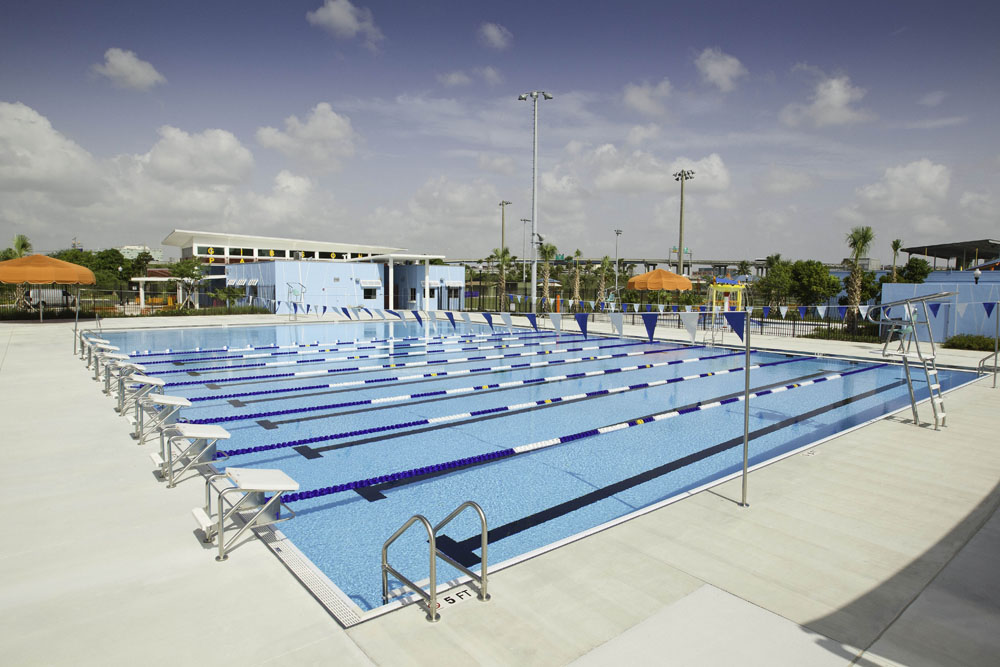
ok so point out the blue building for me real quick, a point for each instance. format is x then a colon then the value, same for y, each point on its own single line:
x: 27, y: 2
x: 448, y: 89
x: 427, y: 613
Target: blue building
x: 963, y: 312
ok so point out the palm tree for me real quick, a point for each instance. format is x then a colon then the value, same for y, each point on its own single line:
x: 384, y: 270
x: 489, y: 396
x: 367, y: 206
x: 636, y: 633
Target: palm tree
x: 605, y: 268
x: 576, y: 275
x: 546, y: 252
x: 859, y: 240
x: 21, y: 245
x: 502, y: 258
x: 19, y: 248
x: 897, y: 245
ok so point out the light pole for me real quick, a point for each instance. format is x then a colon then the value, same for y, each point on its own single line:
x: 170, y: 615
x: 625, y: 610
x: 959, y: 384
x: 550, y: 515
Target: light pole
x: 503, y: 210
x: 524, y: 227
x: 533, y: 95
x: 618, y: 234
x: 682, y: 175
x: 503, y: 274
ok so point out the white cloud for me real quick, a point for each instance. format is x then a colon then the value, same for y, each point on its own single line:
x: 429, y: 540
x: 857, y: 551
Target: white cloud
x: 640, y: 134
x: 907, y: 187
x: 719, y: 69
x: 35, y: 157
x: 498, y: 164
x: 324, y: 139
x: 490, y: 75
x: 935, y: 123
x: 978, y: 205
x: 930, y: 226
x: 647, y: 98
x: 456, y: 78
x: 212, y: 157
x: 830, y: 104
x: 126, y: 70
x: 640, y: 171
x: 495, y: 36
x: 782, y: 181
x: 343, y: 19
x: 933, y: 98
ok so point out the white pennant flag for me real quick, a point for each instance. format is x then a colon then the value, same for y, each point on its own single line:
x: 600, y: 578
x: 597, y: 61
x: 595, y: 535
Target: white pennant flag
x: 687, y: 309
x: 660, y: 306
x: 821, y: 310
x: 569, y: 302
x: 432, y: 315
x: 636, y: 307
x: 864, y: 311
x: 506, y: 320
x: 465, y: 317
x: 556, y: 321
x: 783, y: 310
x: 617, y: 323
x: 690, y: 321
x: 961, y: 309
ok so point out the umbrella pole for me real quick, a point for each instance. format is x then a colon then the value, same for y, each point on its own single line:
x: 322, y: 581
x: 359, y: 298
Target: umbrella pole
x: 76, y: 321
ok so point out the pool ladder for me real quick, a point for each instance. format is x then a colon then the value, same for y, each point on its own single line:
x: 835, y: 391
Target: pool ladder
x: 430, y: 597
x: 910, y: 350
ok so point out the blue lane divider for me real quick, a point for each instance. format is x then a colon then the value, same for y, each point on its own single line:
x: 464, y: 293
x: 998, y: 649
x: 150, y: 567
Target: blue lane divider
x: 454, y: 391
x: 437, y: 374
x: 351, y: 369
x: 542, y: 444
x: 226, y: 348
x: 482, y: 412
x: 312, y: 349
x: 355, y: 357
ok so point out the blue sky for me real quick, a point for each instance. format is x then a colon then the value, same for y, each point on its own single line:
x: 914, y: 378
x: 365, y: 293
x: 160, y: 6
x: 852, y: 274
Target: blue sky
x: 397, y: 123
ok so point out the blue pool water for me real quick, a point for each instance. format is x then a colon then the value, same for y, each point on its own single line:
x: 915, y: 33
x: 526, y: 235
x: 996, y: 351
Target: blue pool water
x: 436, y: 416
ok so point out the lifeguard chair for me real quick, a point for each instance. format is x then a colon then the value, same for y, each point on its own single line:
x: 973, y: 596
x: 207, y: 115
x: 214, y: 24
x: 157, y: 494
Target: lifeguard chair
x: 726, y: 294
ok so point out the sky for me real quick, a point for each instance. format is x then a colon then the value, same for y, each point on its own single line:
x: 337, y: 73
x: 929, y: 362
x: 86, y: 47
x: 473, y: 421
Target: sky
x: 389, y: 123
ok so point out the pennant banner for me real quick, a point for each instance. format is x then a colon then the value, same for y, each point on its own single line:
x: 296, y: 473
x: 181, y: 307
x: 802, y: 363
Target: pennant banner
x: 432, y: 315
x: 295, y: 306
x: 307, y: 307
x: 821, y: 310
x: 961, y: 308
x: 766, y: 310
x: 802, y: 312
x: 506, y: 320
x: 346, y: 312
x: 324, y: 310
x: 737, y: 321
x: 489, y: 320
x: 650, y: 320
x: 417, y: 316
x: 660, y: 306
x: 556, y: 321
x: 935, y: 307
x: 451, y: 317
x: 864, y: 311
x: 690, y: 321
x: 842, y: 311
x: 393, y: 312
x: 581, y: 321
x: 783, y: 310
x: 533, y: 319
x: 617, y: 323
x: 465, y: 317
x: 988, y: 306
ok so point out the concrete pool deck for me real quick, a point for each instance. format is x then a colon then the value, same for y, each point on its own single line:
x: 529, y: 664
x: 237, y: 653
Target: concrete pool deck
x: 877, y: 547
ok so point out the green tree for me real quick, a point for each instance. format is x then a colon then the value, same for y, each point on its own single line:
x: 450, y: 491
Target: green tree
x: 20, y: 247
x: 189, y: 273
x: 812, y: 282
x: 916, y: 270
x: 602, y: 270
x: 775, y: 287
x: 501, y: 258
x: 870, y: 287
x: 141, y: 263
x: 896, y: 246
x: 228, y: 294
x: 744, y: 268
x: 546, y: 253
x: 576, y: 275
x: 859, y: 240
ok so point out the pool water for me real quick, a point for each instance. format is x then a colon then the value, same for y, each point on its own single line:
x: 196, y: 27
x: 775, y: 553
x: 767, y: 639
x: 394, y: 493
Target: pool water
x: 551, y: 434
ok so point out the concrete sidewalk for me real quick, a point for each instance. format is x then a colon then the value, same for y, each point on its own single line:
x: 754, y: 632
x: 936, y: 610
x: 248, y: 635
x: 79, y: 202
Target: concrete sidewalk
x: 877, y: 547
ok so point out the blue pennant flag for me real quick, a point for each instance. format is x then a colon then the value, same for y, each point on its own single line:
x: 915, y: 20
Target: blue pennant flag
x: 842, y: 311
x: 533, y: 319
x: 737, y: 321
x: 767, y: 311
x: 676, y: 308
x: 393, y: 312
x: 324, y: 310
x: 489, y: 320
x: 417, y: 315
x: 581, y: 321
x: 649, y: 307
x: 989, y: 308
x: 451, y: 317
x: 346, y: 312
x: 368, y: 311
x: 703, y: 308
x: 295, y: 306
x: 935, y: 307
x: 650, y: 319
x: 802, y: 312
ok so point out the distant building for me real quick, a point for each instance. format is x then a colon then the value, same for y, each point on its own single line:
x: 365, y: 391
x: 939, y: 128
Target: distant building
x: 133, y: 251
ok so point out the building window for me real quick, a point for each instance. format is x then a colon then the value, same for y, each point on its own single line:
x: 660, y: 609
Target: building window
x: 453, y: 292
x: 210, y: 250
x: 369, y: 293
x: 241, y: 252
x: 270, y: 253
x: 307, y: 254
x: 413, y: 294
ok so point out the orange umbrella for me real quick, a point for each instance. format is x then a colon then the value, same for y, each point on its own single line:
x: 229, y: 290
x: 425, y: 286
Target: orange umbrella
x: 659, y: 279
x: 44, y: 270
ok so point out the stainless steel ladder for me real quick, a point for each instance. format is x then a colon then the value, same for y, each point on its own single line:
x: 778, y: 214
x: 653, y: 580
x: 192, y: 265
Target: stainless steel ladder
x: 910, y: 349
x: 430, y: 597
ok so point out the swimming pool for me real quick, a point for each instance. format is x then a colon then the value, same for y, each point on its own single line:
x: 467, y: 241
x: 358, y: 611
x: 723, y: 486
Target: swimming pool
x: 553, y: 435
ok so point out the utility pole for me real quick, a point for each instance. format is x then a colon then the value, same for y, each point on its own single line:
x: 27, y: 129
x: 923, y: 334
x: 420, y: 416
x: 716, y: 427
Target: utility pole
x: 618, y: 234
x: 682, y: 175
x: 503, y: 274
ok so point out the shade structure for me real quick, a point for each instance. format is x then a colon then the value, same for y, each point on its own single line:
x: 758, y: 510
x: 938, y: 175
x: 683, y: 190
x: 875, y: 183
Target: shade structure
x: 44, y: 270
x: 659, y: 279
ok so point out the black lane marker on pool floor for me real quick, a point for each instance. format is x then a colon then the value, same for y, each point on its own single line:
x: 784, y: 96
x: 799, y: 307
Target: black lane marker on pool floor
x: 463, y: 551
x: 314, y: 452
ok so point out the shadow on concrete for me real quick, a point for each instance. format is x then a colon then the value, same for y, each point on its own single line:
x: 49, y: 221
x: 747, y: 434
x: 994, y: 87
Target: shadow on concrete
x: 864, y: 620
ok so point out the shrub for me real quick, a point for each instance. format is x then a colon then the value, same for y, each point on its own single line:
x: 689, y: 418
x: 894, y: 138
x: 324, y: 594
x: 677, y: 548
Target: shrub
x: 970, y: 342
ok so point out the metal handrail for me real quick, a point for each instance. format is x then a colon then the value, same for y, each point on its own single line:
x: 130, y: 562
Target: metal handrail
x: 430, y: 598
x: 481, y: 577
x: 914, y: 299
